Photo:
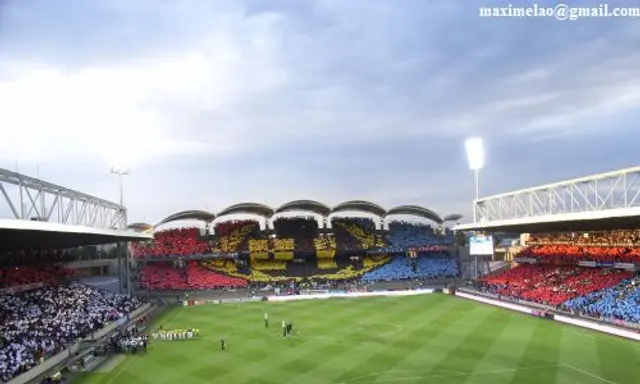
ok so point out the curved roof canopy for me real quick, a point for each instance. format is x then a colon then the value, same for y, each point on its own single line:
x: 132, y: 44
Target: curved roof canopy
x: 453, y: 217
x: 415, y: 210
x: 140, y: 227
x: 306, y: 206
x: 360, y: 206
x: 250, y: 208
x: 189, y: 215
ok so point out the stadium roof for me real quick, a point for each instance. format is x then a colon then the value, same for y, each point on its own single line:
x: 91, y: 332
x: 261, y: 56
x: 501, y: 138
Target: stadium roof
x: 251, y: 208
x: 415, y: 210
x: 140, y: 227
x: 626, y: 218
x: 360, y: 206
x: 454, y: 217
x: 305, y: 205
x: 188, y: 215
x: 25, y: 234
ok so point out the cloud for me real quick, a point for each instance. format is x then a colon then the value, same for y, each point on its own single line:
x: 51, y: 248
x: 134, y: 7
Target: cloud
x: 323, y: 97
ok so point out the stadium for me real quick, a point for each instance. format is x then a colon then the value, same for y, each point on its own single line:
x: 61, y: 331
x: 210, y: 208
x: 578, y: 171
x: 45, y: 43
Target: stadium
x: 557, y: 299
x: 275, y: 192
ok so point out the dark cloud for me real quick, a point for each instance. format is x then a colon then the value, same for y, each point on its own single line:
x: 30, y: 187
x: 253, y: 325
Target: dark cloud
x: 270, y: 101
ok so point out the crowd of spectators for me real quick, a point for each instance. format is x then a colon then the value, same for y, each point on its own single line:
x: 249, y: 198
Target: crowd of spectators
x: 325, y: 242
x: 172, y: 242
x: 571, y: 254
x: 196, y: 276
x: 258, y: 245
x: 38, y: 323
x: 620, y: 238
x: 552, y: 285
x: 422, y: 267
x: 617, y: 303
x: 403, y: 235
x: 302, y: 229
x: 356, y: 233
x: 233, y: 236
x: 21, y: 276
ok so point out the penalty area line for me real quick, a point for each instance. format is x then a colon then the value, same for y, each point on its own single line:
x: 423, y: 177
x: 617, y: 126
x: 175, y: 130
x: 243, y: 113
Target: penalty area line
x: 576, y: 369
x: 437, y: 376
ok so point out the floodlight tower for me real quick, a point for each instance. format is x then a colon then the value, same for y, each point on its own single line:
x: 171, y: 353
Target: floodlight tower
x: 475, y: 156
x: 120, y: 171
x: 122, y: 247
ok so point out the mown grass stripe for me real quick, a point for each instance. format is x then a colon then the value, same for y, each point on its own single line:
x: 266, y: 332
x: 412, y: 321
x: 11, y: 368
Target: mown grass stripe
x: 447, y: 318
x: 543, y: 349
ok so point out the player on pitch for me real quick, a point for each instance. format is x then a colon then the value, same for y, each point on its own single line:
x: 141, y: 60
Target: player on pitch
x: 266, y: 320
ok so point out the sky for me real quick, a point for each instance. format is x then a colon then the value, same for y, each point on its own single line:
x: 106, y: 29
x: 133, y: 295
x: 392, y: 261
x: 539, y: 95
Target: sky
x: 213, y: 102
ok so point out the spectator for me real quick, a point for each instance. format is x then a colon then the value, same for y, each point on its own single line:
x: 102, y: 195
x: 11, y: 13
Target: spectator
x: 45, y: 321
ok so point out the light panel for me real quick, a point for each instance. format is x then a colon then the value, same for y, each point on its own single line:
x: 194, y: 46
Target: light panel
x: 475, y: 153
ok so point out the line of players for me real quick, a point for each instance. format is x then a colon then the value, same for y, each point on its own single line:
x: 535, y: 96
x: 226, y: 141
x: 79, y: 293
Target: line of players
x: 186, y: 334
x: 175, y: 334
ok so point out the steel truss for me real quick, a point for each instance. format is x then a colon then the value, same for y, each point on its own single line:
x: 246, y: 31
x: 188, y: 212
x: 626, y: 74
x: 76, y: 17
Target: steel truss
x: 28, y: 198
x: 611, y: 190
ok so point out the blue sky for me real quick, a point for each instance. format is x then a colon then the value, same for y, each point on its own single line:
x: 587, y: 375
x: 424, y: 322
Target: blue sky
x: 216, y: 102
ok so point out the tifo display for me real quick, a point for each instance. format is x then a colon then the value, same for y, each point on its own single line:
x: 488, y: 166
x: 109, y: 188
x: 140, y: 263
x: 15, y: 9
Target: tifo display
x: 239, y: 254
x: 595, y: 276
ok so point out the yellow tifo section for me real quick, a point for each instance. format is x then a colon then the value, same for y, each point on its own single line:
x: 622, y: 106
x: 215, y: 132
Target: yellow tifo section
x: 227, y: 267
x: 366, y: 239
x: 232, y: 242
x: 327, y: 264
x: 283, y: 245
x: 324, y: 243
x: 258, y: 245
x: 271, y: 265
x: 283, y: 255
x: 349, y: 272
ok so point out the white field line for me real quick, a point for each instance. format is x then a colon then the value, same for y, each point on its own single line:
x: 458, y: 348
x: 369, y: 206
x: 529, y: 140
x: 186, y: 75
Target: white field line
x: 495, y: 371
x: 608, y: 341
x: 383, y: 373
x: 588, y: 374
x: 122, y: 369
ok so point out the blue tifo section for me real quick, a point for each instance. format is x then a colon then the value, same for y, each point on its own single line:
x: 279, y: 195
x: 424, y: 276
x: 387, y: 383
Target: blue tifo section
x: 621, y: 302
x: 400, y: 268
x: 404, y: 235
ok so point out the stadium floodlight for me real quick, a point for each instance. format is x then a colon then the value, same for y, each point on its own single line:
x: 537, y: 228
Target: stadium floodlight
x: 120, y: 171
x: 475, y: 156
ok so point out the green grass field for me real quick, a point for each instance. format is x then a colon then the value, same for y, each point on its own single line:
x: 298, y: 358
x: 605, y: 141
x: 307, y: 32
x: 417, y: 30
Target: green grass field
x: 417, y: 339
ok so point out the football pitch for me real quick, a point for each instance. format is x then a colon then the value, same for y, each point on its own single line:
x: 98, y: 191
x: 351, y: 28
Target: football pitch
x: 416, y: 339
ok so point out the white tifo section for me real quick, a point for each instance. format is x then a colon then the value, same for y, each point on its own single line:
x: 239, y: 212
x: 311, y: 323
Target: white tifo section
x: 351, y: 295
x: 563, y: 319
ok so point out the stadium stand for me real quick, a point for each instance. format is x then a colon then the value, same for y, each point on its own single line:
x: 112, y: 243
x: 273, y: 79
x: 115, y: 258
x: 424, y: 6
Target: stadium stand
x: 173, y: 242
x: 302, y: 229
x: 403, y: 235
x: 42, y: 322
x: 423, y: 267
x: 551, y: 284
x: 630, y: 237
x: 355, y: 233
x: 234, y: 236
x: 196, y: 276
x: 617, y: 303
x: 45, y: 275
x: 569, y: 253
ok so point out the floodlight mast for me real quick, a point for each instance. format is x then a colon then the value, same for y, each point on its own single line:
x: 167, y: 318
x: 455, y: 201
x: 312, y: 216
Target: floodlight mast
x: 120, y: 172
x: 475, y: 156
x: 122, y: 247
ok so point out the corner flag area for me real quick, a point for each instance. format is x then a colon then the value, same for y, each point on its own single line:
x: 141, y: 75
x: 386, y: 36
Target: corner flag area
x: 415, y: 339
